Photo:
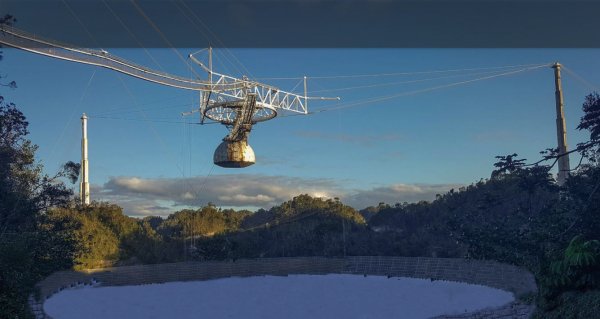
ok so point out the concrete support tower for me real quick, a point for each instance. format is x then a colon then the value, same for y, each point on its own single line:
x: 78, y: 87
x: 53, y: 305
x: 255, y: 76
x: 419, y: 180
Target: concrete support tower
x: 561, y: 128
x: 84, y: 187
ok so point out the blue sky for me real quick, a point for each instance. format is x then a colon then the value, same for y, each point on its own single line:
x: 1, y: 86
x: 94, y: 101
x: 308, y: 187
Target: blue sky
x: 399, y: 149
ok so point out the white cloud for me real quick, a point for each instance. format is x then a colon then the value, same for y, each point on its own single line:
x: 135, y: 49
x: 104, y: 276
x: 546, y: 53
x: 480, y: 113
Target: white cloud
x: 397, y: 193
x: 161, y: 196
x: 235, y: 190
x: 241, y: 198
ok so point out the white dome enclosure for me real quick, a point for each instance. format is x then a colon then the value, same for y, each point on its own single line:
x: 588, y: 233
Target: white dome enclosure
x: 234, y: 154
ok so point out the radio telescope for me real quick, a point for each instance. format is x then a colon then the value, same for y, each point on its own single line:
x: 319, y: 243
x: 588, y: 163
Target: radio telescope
x: 237, y: 103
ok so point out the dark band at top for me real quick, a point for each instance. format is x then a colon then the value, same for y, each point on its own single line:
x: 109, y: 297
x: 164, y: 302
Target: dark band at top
x: 312, y: 23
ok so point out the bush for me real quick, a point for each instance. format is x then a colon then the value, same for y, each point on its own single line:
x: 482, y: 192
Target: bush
x: 574, y: 305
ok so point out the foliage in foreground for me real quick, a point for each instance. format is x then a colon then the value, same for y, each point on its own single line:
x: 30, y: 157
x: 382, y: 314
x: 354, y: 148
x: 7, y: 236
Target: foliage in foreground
x: 28, y: 250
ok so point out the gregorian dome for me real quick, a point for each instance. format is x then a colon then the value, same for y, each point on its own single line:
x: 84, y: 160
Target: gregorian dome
x: 234, y: 154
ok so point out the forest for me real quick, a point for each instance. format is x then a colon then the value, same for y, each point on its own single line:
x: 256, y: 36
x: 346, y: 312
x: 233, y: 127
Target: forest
x: 517, y: 215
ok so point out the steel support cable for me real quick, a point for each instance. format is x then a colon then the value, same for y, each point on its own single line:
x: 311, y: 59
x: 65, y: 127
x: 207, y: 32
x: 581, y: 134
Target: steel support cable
x: 129, y: 110
x: 373, y: 100
x: 581, y: 79
x: 196, y: 192
x: 200, y: 94
x: 162, y: 35
x: 153, y: 120
x: 206, y: 36
x: 132, y: 34
x: 104, y: 59
x: 403, y: 73
x: 210, y: 171
x: 405, y: 82
x: 201, y: 50
x: 186, y: 136
x: 153, y: 129
x: 154, y: 101
x: 224, y: 65
x: 296, y: 86
x: 156, y: 135
x: 192, y: 188
x: 284, y: 222
x: 216, y: 37
x: 339, y: 105
x: 73, y: 110
x: 182, y: 140
x: 85, y: 29
x: 389, y: 97
x: 320, y: 87
x: 190, y: 135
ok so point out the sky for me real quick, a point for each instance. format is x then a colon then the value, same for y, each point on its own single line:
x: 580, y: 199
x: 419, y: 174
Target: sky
x: 424, y: 132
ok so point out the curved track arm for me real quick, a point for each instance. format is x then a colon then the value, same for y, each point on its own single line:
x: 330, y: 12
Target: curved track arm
x: 224, y: 86
x: 29, y: 42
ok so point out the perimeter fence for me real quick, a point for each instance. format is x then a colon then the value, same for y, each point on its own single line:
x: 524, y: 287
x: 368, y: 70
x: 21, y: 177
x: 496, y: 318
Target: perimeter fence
x: 488, y: 273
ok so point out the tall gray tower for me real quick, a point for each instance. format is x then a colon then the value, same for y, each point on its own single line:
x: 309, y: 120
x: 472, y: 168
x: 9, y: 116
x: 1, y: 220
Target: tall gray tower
x: 84, y: 187
x: 561, y: 128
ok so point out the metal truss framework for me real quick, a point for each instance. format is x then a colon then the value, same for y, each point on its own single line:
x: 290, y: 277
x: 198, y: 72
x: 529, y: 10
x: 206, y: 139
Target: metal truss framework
x: 222, y: 96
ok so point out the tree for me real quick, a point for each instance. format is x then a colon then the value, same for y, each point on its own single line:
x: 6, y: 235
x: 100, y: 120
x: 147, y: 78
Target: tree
x: 580, y: 266
x: 591, y: 119
x: 25, y: 191
x: 29, y: 249
x: 507, y: 164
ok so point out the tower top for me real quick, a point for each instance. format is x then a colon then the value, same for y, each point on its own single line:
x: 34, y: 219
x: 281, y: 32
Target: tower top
x: 84, y: 117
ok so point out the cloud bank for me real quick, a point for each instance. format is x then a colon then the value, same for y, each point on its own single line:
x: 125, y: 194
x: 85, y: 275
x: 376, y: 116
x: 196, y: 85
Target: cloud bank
x: 161, y: 196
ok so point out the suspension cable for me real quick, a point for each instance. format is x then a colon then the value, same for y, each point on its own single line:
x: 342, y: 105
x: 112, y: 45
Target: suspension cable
x: 160, y: 33
x: 403, y: 73
x: 581, y: 79
x: 85, y: 29
x: 132, y: 35
x: 404, y: 82
x: 73, y: 110
x: 389, y: 97
x: 217, y: 39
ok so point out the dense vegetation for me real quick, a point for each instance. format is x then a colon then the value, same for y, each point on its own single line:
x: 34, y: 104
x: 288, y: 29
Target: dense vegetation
x: 29, y: 250
x: 518, y: 215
